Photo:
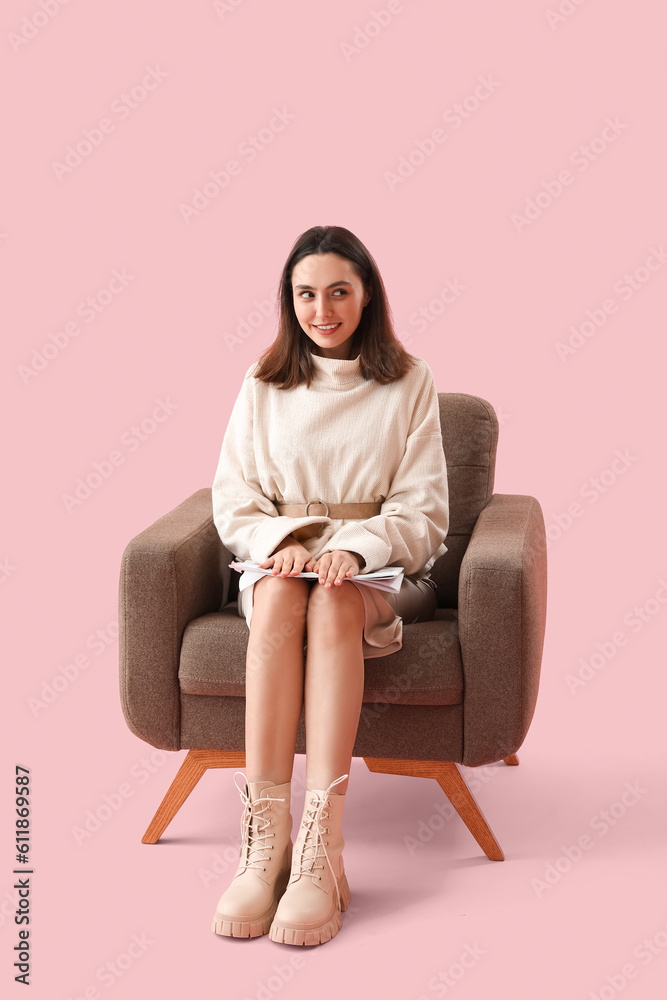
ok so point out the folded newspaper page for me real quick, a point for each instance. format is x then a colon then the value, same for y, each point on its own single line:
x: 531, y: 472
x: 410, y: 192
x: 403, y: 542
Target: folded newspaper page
x: 388, y: 578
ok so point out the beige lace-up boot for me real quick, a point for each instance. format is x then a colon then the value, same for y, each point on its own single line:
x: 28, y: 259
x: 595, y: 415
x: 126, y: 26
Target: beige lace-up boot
x: 246, y: 909
x: 309, y: 911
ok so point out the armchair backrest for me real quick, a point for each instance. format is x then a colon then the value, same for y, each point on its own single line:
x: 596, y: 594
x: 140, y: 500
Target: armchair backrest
x: 470, y: 439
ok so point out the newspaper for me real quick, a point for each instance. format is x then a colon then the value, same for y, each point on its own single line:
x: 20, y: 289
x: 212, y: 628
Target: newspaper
x: 388, y: 578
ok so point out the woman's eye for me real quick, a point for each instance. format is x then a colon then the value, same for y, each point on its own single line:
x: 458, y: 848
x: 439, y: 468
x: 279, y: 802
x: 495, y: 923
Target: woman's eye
x: 342, y: 291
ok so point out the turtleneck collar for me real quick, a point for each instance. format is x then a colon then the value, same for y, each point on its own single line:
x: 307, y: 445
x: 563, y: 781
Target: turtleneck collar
x: 336, y: 371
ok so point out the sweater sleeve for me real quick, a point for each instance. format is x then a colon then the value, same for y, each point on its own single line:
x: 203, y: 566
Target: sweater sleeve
x: 413, y: 522
x: 248, y: 522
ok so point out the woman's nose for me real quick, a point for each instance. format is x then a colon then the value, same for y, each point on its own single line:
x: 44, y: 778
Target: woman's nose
x: 322, y: 309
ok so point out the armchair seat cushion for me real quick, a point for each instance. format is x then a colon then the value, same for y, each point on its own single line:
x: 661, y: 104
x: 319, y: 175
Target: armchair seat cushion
x: 425, y: 671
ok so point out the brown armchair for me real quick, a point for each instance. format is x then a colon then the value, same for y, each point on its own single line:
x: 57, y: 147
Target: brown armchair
x: 461, y: 690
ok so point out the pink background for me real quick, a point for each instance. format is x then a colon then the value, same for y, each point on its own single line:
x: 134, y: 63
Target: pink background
x: 352, y: 110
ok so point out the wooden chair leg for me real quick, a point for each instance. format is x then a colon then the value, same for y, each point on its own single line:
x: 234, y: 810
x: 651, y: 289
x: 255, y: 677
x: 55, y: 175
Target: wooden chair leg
x: 453, y: 785
x: 189, y: 773
x: 450, y: 779
x: 512, y: 760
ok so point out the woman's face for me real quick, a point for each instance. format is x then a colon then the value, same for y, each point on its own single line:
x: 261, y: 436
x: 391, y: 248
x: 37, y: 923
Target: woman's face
x: 328, y: 293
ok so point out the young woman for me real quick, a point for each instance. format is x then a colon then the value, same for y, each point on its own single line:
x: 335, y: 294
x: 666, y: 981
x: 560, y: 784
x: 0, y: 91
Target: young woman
x: 332, y: 462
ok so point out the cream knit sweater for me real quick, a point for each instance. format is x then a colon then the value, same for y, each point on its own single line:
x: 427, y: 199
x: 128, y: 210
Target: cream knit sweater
x: 346, y: 439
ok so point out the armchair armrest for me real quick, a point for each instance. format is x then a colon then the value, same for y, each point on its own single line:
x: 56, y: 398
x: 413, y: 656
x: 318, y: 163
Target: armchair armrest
x: 172, y: 572
x: 502, y: 619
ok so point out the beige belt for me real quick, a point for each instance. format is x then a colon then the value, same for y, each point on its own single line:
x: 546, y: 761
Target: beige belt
x: 335, y: 510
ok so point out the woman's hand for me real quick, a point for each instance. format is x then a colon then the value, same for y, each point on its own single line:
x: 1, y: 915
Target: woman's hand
x: 289, y: 558
x: 334, y: 567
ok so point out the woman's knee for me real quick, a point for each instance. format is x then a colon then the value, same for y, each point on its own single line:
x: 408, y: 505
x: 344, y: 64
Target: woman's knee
x: 282, y: 597
x: 337, y: 607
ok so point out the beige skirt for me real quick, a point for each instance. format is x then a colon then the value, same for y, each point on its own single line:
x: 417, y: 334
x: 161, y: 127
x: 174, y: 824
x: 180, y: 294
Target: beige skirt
x: 385, y: 612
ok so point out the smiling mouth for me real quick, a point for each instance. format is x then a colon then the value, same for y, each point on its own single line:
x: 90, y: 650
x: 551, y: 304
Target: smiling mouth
x: 328, y: 328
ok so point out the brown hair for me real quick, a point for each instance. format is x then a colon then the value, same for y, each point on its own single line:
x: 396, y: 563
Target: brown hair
x: 287, y: 361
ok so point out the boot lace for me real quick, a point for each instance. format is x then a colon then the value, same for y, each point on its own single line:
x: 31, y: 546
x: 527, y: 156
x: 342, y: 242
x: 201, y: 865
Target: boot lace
x: 254, y: 826
x: 313, y: 848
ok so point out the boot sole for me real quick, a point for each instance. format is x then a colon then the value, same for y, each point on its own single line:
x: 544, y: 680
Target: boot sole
x: 314, y: 935
x: 233, y: 927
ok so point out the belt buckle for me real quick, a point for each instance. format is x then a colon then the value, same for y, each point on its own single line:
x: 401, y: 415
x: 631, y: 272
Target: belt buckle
x: 323, y: 502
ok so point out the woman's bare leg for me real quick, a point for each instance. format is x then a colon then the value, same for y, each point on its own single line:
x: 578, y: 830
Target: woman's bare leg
x: 274, y: 677
x: 334, y: 684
